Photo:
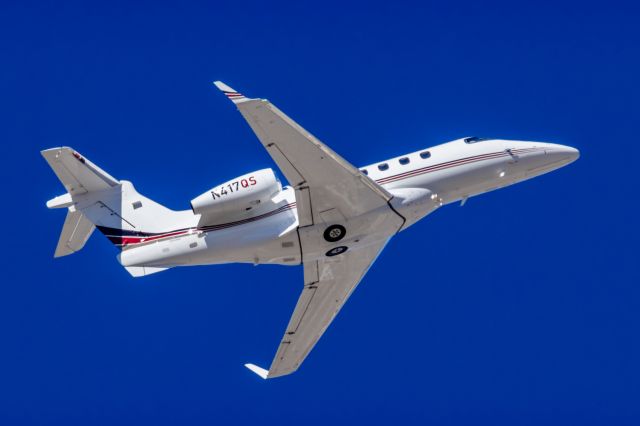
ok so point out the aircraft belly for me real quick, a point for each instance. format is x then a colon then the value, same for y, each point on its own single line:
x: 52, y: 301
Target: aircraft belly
x: 271, y: 240
x: 361, y: 231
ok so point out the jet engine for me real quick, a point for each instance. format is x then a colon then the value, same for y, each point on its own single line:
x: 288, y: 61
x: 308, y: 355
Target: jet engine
x: 240, y: 195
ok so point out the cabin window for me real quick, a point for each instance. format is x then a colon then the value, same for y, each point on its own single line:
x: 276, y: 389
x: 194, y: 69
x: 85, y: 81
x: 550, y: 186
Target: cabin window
x: 137, y: 205
x: 425, y: 154
x: 382, y: 167
x: 404, y: 161
x: 474, y: 139
x: 364, y: 171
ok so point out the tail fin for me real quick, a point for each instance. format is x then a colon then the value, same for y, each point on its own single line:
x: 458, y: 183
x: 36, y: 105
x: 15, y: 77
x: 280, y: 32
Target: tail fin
x: 96, y: 199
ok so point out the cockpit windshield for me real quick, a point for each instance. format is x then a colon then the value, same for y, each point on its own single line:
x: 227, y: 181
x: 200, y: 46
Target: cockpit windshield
x: 475, y: 139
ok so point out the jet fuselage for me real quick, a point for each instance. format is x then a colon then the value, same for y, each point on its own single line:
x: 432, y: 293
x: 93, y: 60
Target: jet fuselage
x: 429, y: 178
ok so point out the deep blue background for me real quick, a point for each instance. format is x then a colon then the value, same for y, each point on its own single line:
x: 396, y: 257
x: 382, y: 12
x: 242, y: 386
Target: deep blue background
x: 520, y: 308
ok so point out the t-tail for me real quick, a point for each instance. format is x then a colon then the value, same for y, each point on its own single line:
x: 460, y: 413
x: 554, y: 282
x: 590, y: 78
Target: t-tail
x: 95, y: 199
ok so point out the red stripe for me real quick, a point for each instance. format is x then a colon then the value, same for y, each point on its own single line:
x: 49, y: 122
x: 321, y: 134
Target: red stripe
x: 449, y: 164
x: 137, y: 240
x: 442, y: 166
x: 134, y: 240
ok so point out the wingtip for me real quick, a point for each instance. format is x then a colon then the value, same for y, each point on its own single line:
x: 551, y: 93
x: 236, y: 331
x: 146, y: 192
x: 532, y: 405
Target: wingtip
x: 54, y: 149
x: 258, y: 370
x: 230, y: 93
x: 222, y: 87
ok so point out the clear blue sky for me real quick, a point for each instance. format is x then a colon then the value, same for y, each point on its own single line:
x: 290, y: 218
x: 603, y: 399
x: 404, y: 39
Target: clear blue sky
x: 520, y: 308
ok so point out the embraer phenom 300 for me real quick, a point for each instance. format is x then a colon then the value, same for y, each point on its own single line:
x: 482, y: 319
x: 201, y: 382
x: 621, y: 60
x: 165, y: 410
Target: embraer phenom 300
x: 333, y: 218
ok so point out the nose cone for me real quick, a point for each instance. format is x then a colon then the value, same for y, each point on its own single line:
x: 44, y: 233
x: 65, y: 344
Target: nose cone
x: 574, y: 154
x: 561, y: 153
x: 569, y: 153
x: 536, y: 158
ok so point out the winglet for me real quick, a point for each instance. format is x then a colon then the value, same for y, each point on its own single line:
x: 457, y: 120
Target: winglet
x: 258, y: 370
x: 234, y: 96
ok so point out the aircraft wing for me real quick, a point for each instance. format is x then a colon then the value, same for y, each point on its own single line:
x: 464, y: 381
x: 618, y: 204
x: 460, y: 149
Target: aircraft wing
x: 328, y: 283
x: 321, y: 178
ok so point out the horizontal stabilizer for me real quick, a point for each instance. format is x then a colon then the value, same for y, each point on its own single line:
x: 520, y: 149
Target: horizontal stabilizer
x: 75, y: 232
x: 77, y: 174
x: 258, y: 370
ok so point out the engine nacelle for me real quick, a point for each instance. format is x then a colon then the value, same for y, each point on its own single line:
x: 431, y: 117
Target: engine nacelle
x: 239, y: 195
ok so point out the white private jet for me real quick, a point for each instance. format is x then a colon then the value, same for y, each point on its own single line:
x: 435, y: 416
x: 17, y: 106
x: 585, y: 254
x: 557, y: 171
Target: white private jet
x: 333, y: 218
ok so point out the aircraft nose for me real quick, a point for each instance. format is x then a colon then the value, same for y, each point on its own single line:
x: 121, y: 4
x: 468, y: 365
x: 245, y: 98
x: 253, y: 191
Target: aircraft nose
x: 561, y: 153
x: 570, y: 153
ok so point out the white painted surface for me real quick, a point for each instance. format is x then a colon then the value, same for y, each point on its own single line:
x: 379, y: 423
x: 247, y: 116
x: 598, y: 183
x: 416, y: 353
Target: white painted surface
x: 287, y: 225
